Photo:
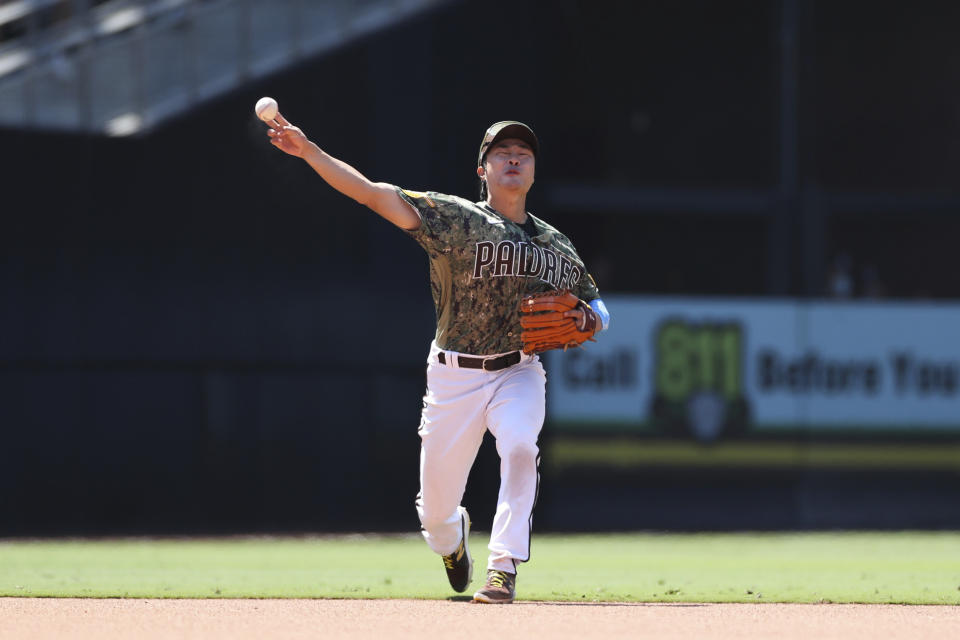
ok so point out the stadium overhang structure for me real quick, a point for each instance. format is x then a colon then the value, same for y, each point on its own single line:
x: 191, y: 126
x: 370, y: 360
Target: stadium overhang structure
x: 120, y: 67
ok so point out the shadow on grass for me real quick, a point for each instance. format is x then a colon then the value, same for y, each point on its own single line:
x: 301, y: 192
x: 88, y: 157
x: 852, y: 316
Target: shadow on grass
x: 612, y: 604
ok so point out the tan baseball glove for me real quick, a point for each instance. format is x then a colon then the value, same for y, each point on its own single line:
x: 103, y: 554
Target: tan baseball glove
x: 547, y: 323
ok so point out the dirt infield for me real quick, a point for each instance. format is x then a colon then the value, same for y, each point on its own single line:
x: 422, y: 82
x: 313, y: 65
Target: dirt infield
x: 41, y: 618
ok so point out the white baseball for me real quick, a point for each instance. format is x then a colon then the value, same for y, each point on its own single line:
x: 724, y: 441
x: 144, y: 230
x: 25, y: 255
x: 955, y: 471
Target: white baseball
x: 266, y: 109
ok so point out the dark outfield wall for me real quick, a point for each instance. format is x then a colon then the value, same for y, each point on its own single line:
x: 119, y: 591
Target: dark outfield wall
x: 183, y: 344
x: 197, y: 335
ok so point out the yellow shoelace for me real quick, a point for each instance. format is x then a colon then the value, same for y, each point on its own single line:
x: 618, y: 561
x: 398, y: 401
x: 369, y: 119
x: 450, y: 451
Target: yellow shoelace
x: 498, y: 579
x: 456, y: 555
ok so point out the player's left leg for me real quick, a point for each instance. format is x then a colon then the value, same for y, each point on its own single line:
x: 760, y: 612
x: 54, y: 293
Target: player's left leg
x: 515, y: 416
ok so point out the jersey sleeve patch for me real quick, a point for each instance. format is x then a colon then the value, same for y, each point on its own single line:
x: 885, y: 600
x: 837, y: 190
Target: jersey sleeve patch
x: 419, y: 195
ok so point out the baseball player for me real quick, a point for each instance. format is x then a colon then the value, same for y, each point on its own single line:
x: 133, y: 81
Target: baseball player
x: 490, y: 264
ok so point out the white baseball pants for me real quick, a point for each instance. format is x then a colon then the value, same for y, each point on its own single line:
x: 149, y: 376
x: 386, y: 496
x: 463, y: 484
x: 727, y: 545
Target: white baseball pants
x: 459, y: 405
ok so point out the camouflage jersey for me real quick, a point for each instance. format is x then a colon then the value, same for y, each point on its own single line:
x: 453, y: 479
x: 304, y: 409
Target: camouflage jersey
x: 482, y: 264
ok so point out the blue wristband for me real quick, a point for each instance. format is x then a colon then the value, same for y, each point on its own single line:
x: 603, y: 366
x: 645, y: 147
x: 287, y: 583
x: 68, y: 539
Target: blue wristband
x: 601, y: 309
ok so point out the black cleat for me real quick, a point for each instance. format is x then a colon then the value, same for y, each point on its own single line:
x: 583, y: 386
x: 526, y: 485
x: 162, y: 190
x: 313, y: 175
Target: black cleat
x: 459, y: 564
x: 501, y: 588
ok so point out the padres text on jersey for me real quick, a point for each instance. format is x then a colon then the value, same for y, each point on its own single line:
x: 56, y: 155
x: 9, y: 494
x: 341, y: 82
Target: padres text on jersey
x: 508, y: 258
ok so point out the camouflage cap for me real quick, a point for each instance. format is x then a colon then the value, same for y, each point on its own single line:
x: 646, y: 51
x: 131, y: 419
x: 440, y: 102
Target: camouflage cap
x: 507, y: 129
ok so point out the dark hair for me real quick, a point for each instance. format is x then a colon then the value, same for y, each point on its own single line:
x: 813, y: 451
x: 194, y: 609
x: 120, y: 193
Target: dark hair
x: 483, y: 182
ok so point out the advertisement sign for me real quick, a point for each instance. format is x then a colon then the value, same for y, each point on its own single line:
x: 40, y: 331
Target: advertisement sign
x: 710, y: 367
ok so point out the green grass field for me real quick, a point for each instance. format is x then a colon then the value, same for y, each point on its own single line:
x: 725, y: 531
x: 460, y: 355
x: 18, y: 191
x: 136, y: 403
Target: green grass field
x: 907, y: 567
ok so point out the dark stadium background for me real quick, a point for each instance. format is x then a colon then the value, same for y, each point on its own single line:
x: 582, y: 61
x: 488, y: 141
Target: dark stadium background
x: 198, y: 336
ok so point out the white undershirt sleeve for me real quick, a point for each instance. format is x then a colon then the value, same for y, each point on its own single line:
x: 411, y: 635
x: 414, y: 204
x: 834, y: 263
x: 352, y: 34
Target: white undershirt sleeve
x: 601, y: 309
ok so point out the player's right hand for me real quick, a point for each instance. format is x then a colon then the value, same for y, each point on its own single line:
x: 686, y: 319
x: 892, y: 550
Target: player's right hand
x: 287, y: 138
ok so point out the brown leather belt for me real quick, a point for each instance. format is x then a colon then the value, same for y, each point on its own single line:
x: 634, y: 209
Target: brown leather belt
x: 487, y: 364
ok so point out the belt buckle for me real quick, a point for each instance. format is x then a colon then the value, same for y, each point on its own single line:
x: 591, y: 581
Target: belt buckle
x: 484, y: 364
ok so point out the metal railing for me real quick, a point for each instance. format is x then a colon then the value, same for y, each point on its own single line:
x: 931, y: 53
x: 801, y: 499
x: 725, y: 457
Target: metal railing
x: 119, y: 67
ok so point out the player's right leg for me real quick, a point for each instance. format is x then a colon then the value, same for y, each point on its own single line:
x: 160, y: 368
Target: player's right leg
x: 451, y: 430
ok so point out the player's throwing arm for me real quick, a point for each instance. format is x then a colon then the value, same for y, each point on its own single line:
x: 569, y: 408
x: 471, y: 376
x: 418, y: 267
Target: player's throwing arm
x: 379, y: 196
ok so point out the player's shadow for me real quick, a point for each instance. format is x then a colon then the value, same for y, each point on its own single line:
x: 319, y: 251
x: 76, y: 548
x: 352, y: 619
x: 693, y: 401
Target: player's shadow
x: 588, y: 604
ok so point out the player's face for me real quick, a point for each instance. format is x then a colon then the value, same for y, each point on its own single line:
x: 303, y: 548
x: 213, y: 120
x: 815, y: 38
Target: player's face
x: 509, y: 165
